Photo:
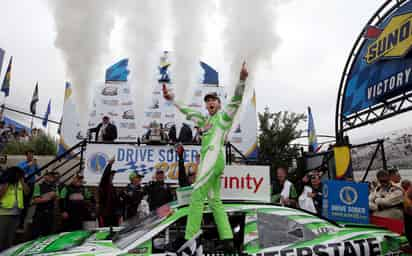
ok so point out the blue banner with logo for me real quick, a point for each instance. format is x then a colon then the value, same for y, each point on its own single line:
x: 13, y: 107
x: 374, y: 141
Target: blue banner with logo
x: 145, y: 160
x: 346, y: 201
x: 383, y: 67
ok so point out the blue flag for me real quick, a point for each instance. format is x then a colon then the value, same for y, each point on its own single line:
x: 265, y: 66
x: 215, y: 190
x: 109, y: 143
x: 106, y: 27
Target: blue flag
x: 46, y: 115
x: 5, y: 87
x: 312, y: 138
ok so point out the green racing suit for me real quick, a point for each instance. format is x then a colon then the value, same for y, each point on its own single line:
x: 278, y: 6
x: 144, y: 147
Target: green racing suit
x: 212, y: 163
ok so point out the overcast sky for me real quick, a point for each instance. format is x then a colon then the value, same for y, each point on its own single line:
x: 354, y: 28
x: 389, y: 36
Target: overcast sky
x: 316, y: 37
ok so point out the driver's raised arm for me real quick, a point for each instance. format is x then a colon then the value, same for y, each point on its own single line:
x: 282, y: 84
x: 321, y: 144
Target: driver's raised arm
x: 192, y: 115
x: 233, y: 106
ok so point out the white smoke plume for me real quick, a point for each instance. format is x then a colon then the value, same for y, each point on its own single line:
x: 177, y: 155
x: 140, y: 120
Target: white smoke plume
x: 249, y: 35
x: 145, y: 23
x: 83, y: 30
x: 189, y: 25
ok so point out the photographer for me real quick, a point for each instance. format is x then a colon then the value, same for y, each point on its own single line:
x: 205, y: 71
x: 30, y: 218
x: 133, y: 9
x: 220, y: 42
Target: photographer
x: 12, y: 190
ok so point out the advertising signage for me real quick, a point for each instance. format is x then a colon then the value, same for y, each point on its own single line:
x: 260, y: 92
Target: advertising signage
x: 382, y: 67
x: 346, y: 201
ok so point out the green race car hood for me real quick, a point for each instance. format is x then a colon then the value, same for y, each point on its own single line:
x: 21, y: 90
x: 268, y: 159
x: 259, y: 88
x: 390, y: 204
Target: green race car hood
x: 325, y: 238
x: 85, y: 243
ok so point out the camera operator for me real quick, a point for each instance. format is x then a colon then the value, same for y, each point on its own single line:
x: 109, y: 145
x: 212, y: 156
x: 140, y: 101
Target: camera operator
x: 12, y: 190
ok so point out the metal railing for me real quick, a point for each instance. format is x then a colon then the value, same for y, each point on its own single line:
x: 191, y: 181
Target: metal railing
x: 75, y: 152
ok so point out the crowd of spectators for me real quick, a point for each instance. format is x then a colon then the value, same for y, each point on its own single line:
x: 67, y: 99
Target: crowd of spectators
x: 305, y: 193
x: 67, y: 207
x: 10, y: 133
x: 390, y: 196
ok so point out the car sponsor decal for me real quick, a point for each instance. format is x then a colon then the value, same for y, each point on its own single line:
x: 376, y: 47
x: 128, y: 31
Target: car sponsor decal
x: 362, y: 247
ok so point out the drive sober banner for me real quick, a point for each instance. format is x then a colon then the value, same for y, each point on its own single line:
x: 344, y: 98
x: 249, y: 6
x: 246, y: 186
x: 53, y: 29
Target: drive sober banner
x: 132, y: 158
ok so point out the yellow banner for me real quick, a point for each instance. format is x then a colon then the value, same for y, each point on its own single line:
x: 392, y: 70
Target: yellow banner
x: 342, y: 160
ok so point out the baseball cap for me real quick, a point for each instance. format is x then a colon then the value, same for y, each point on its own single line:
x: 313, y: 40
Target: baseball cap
x: 133, y: 175
x: 212, y: 95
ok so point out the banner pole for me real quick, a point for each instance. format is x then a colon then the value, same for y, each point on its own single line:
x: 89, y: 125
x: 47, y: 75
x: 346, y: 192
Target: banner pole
x: 3, y: 106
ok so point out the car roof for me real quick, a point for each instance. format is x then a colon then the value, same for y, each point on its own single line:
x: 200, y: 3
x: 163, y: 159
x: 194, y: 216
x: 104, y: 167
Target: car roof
x: 300, y: 216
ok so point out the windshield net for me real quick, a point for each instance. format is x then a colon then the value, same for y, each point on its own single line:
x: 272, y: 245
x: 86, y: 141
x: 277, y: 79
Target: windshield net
x: 135, y: 228
x: 275, y: 230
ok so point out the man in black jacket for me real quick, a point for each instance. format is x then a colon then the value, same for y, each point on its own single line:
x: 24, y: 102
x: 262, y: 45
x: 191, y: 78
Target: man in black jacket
x: 105, y: 131
x: 74, y: 204
x: 44, y: 197
x: 132, y: 196
x: 185, y: 134
x: 158, y: 192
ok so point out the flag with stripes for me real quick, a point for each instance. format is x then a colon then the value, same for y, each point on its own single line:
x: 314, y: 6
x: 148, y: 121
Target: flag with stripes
x: 34, y: 99
x: 46, y: 115
x: 5, y: 87
x: 312, y: 138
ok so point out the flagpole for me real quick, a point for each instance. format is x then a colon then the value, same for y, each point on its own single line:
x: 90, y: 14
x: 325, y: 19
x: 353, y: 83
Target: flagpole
x: 31, y: 123
x: 5, y: 86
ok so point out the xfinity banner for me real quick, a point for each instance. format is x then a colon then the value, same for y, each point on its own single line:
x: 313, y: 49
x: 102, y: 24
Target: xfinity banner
x: 132, y: 158
x: 246, y: 182
x: 238, y: 182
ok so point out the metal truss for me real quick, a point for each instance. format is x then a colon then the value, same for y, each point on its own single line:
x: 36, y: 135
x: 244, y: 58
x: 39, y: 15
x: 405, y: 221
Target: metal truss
x: 383, y: 110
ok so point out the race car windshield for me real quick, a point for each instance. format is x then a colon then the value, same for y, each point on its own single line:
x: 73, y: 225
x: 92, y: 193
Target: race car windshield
x: 276, y: 230
x: 135, y: 228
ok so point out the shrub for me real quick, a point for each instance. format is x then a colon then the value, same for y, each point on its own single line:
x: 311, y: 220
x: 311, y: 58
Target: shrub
x: 41, y: 145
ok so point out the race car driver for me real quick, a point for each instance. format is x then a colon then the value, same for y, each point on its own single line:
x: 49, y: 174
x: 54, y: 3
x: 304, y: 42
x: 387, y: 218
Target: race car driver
x: 212, y: 157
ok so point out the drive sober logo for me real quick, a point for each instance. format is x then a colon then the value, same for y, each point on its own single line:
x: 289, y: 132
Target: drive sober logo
x: 346, y: 201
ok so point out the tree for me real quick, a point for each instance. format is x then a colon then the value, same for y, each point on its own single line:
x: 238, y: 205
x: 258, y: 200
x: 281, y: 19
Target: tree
x: 277, y: 130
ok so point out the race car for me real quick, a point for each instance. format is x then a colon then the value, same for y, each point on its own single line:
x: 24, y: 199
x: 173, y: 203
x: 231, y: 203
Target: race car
x: 259, y: 229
